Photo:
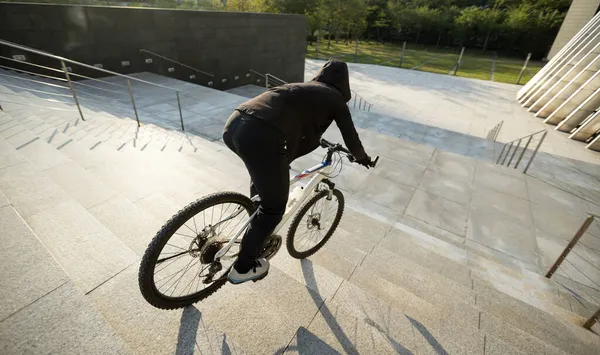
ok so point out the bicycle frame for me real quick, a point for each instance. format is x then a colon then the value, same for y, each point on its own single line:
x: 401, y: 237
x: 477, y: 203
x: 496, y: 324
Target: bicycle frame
x: 320, y: 172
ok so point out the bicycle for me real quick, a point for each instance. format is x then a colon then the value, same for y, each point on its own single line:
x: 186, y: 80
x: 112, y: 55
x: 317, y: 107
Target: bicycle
x: 216, y: 243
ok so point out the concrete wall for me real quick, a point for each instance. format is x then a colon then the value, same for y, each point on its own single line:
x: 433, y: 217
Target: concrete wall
x: 222, y: 43
x: 580, y: 12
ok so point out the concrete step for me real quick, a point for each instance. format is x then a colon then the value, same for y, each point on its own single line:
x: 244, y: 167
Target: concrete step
x: 40, y: 307
x: 129, y: 223
x: 266, y: 326
x: 85, y: 248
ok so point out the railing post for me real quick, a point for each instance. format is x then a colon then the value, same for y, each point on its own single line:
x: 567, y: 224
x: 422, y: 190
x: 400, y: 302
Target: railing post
x: 355, y: 100
x: 507, y: 153
x: 576, y: 237
x: 267, y: 80
x: 462, y: 51
x: 593, y: 319
x: 494, y: 57
x: 402, y: 54
x: 514, y: 152
x: 317, y: 47
x: 523, y: 152
x: 64, y: 67
x: 180, y: 113
x: 501, y: 152
x: 498, y: 130
x: 369, y: 108
x: 133, y: 102
x: 524, y: 67
x: 535, y: 152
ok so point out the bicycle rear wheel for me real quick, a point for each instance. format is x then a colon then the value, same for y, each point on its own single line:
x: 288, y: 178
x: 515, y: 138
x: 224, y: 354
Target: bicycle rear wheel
x: 178, y: 267
x: 315, y: 223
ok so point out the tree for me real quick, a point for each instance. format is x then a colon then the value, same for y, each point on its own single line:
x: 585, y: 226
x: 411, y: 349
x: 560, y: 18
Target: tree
x: 481, y: 21
x: 382, y: 21
x: 443, y: 21
x: 247, y: 5
x: 354, y: 17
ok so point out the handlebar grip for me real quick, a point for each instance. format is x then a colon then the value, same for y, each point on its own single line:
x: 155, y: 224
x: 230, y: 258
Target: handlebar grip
x: 374, y: 162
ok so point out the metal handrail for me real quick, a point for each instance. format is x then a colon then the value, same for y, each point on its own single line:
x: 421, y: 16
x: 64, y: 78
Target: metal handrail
x: 494, y: 132
x: 100, y: 96
x: 176, y: 62
x: 502, y: 157
x: 580, y: 232
x: 32, y: 73
x: 32, y: 64
x: 34, y: 90
x: 42, y: 53
x: 35, y: 81
x: 532, y: 134
x: 67, y: 74
x: 56, y: 70
x: 257, y: 73
x: 362, y: 103
x: 96, y: 79
x: 99, y: 88
x: 45, y: 107
x: 277, y: 80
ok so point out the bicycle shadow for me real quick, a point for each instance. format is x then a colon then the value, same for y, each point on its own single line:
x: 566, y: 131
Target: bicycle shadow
x: 309, y: 343
x: 187, y: 341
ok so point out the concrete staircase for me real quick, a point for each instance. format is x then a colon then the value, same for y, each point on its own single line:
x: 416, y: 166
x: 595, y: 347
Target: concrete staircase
x: 80, y: 200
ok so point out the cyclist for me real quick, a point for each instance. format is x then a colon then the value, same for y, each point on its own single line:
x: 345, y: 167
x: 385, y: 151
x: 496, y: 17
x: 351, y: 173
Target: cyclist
x: 271, y: 130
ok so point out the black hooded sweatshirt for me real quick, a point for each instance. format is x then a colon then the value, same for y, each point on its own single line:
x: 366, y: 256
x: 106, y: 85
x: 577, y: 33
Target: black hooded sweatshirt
x: 304, y: 111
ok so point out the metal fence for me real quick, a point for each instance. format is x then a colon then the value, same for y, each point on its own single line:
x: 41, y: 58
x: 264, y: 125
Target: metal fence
x: 494, y: 132
x: 576, y: 262
x: 522, y: 149
x: 456, y: 61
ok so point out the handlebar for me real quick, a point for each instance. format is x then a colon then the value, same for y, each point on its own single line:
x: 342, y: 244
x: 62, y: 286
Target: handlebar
x: 336, y: 147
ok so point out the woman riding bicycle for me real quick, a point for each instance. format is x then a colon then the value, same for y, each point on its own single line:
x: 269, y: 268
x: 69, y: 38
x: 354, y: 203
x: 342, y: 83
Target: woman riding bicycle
x: 271, y: 130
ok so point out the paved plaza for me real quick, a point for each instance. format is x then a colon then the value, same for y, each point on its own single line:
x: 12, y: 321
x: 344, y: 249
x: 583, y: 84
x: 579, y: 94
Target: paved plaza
x: 439, y: 251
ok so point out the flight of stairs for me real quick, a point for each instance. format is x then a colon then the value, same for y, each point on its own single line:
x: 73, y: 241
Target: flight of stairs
x: 80, y: 200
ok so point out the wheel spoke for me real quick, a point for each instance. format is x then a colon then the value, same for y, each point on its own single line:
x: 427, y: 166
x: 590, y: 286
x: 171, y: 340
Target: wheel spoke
x: 177, y: 277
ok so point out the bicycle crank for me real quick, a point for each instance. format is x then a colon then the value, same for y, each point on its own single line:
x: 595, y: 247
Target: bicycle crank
x: 272, y: 246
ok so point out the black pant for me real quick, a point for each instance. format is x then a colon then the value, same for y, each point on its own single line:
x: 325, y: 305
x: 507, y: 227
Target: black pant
x: 262, y: 148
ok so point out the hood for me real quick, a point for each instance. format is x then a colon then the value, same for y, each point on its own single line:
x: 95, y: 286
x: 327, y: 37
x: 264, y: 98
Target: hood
x: 335, y: 73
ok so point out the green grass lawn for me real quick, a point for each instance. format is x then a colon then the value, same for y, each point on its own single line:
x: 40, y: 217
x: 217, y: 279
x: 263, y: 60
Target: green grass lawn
x: 475, y: 63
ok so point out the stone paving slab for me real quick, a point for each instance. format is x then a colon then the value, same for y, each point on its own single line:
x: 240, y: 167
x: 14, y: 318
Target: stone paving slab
x: 29, y: 191
x: 538, y: 323
x: 3, y: 200
x: 61, y: 322
x: 133, y: 226
x: 269, y: 324
x: 29, y: 271
x: 8, y: 156
x: 88, y: 252
x: 439, y: 212
x: 336, y: 331
x: 515, y: 337
x: 433, y: 330
x: 416, y: 278
x: 503, y: 235
x: 452, y: 164
x: 397, y: 242
x: 454, y: 189
x: 80, y: 184
x: 500, y: 181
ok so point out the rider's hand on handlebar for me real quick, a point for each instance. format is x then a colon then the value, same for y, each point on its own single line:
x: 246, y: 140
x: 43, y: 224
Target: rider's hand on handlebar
x: 366, y: 162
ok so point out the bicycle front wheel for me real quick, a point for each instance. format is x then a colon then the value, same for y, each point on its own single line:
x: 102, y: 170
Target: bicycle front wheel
x: 179, y: 266
x: 314, y: 224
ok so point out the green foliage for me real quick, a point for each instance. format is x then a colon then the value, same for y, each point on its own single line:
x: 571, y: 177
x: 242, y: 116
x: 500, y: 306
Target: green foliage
x: 509, y: 26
